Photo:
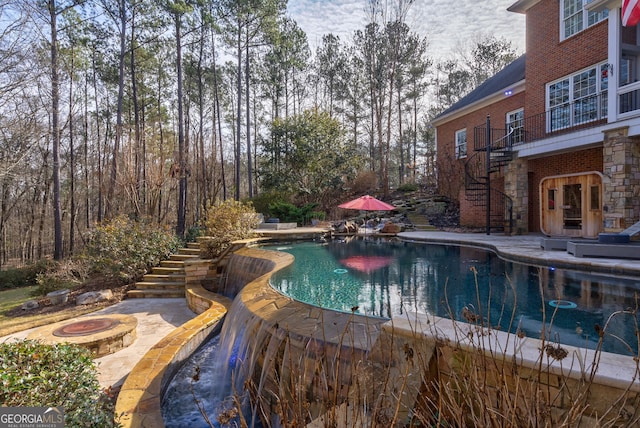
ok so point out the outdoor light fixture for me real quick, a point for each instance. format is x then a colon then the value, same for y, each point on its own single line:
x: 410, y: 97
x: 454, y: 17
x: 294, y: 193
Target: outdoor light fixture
x: 508, y: 92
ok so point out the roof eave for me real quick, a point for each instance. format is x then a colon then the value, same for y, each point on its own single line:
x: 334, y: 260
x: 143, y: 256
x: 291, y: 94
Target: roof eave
x: 522, y: 6
x: 516, y: 88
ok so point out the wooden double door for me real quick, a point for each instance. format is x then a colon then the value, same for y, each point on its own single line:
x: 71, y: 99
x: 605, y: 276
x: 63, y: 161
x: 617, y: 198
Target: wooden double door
x: 571, y: 205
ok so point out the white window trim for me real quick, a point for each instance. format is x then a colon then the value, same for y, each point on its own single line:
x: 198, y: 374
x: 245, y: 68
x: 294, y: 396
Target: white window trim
x: 585, y: 20
x: 461, y: 154
x: 570, y: 77
x: 511, y: 113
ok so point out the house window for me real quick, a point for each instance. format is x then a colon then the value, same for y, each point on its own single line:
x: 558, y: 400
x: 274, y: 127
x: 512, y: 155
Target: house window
x: 577, y: 99
x: 515, y: 127
x: 595, y: 197
x: 575, y: 18
x: 627, y: 69
x: 461, y: 143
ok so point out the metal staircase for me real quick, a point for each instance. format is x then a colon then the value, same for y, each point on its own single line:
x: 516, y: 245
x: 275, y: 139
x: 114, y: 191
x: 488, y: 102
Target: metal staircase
x: 486, y: 160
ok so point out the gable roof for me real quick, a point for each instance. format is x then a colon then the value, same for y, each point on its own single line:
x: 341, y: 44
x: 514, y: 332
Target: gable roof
x: 502, y: 80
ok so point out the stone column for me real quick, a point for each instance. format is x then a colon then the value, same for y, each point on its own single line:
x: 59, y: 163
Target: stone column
x: 516, y: 186
x: 621, y: 184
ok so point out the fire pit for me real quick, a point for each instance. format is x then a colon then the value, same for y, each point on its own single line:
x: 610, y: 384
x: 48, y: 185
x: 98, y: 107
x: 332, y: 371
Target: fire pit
x: 86, y: 327
x: 102, y: 335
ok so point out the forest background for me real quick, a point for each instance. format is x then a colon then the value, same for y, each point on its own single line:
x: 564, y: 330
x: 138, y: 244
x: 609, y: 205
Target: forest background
x: 159, y: 109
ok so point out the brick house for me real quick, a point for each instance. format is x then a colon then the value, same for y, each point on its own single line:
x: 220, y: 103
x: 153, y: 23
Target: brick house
x: 563, y: 122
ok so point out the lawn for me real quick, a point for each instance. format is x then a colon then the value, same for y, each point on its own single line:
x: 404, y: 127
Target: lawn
x: 9, y: 299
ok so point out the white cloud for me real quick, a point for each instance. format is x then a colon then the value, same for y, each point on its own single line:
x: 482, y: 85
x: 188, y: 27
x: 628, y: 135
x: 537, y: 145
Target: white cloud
x: 445, y: 23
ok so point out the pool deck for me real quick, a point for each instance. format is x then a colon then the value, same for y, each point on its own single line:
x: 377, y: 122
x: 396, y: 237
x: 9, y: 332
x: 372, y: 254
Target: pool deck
x: 527, y: 249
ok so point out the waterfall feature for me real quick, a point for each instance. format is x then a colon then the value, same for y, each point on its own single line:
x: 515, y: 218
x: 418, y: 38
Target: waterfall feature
x: 288, y: 359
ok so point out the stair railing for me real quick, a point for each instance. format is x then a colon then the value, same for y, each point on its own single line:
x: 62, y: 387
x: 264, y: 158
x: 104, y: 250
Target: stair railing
x: 478, y: 169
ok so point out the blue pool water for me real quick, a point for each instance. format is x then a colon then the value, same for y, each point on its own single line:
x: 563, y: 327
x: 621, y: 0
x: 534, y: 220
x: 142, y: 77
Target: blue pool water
x: 384, y: 278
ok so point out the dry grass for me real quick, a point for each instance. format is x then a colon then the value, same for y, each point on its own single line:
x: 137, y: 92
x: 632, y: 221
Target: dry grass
x: 315, y: 385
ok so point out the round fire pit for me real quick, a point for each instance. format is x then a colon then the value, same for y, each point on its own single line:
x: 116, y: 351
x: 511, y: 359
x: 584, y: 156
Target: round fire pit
x: 102, y: 335
x: 86, y: 327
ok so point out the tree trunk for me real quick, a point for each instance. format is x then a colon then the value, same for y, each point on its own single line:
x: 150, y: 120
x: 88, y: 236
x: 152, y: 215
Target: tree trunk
x: 136, y: 195
x: 100, y: 207
x: 182, y: 185
x: 58, y: 251
x: 202, y: 203
x: 248, y: 121
x: 403, y: 161
x: 109, y: 209
x: 85, y: 141
x: 238, y: 118
x: 72, y: 164
x: 219, y: 122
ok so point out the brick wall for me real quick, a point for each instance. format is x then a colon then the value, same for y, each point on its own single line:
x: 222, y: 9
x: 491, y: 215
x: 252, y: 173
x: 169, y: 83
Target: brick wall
x: 549, y: 59
x: 473, y: 216
x: 450, y: 170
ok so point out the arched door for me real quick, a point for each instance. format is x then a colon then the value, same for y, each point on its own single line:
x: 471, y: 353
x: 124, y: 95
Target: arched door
x: 571, y: 205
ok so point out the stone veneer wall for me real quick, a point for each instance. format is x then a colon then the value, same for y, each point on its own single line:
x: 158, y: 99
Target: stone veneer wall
x: 243, y: 268
x: 621, y: 165
x: 516, y: 186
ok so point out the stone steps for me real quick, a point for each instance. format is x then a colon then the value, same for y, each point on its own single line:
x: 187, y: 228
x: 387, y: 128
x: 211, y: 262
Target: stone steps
x: 183, y: 257
x: 141, y: 294
x: 188, y: 252
x: 171, y: 263
x: 159, y: 277
x: 419, y: 221
x: 168, y: 279
x: 159, y: 285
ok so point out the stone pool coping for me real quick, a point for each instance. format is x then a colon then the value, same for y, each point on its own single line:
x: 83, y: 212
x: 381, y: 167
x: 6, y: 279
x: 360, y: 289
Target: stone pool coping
x: 138, y: 404
x: 603, y: 368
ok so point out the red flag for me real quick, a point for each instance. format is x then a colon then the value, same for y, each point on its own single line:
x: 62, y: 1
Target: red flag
x: 630, y: 12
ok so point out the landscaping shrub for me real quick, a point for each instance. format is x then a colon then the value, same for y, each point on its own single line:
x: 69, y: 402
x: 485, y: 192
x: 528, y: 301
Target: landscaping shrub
x: 226, y: 222
x: 37, y: 375
x: 262, y: 201
x: 289, y: 213
x: 193, y: 233
x: 407, y: 187
x: 125, y: 249
x: 26, y: 275
x: 365, y: 182
x: 66, y: 274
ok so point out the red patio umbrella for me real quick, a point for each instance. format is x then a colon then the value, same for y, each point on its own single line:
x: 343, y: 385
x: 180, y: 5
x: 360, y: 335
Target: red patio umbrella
x: 367, y: 203
x: 366, y: 264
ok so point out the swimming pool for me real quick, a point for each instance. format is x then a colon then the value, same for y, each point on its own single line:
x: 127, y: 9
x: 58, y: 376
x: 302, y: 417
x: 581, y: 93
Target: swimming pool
x: 383, y: 278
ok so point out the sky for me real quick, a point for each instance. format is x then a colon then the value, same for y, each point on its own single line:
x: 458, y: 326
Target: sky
x: 446, y: 23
